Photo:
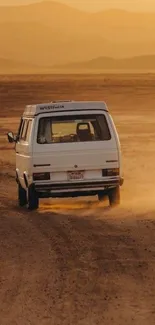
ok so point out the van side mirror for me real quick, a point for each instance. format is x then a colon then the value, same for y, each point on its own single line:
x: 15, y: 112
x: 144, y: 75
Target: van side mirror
x: 11, y: 137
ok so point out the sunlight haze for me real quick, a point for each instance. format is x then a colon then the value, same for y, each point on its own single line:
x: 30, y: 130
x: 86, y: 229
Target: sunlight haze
x: 97, y: 5
x: 53, y: 35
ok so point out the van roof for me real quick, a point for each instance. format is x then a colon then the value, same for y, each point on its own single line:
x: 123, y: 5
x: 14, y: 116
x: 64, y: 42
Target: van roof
x: 62, y: 106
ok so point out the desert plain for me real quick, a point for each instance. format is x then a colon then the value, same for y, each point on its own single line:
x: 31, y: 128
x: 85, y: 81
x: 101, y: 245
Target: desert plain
x: 76, y: 261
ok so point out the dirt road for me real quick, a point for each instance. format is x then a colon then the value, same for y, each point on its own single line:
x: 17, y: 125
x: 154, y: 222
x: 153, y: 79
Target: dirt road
x: 77, y: 261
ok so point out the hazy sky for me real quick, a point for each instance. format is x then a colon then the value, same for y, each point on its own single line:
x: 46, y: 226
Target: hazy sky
x: 95, y: 5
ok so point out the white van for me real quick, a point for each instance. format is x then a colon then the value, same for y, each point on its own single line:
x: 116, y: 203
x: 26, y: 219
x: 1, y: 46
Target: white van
x: 67, y: 149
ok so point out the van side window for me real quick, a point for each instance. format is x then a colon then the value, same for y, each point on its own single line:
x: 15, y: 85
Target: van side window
x: 19, y: 128
x: 24, y: 130
x: 28, y: 132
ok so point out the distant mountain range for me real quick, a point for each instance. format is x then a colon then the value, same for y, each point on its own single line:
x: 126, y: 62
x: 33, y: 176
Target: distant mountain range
x: 46, y: 34
x: 98, y: 65
x: 87, y: 5
x: 146, y: 62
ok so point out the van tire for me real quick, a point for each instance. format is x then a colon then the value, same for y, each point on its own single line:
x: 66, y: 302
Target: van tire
x: 114, y: 196
x: 33, y: 200
x: 101, y: 197
x: 22, y: 196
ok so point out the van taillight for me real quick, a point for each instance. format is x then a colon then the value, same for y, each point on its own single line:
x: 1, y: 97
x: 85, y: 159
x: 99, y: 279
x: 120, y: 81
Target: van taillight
x: 110, y: 172
x: 41, y: 176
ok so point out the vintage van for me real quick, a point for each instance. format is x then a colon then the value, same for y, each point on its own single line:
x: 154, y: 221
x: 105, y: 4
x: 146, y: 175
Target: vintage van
x: 67, y: 149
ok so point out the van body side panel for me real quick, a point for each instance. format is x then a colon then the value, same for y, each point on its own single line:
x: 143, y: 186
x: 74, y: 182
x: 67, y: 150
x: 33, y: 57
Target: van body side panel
x: 23, y: 161
x: 24, y: 158
x: 118, y: 145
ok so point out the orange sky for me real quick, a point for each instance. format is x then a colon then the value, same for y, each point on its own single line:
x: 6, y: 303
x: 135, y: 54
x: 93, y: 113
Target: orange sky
x: 95, y: 5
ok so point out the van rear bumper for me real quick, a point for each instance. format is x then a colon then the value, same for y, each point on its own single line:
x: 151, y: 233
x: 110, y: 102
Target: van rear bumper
x: 72, y: 188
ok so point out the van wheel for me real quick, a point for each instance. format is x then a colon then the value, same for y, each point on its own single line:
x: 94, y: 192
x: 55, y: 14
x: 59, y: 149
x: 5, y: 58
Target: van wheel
x: 33, y: 200
x: 114, y: 196
x: 22, y: 196
x: 101, y: 197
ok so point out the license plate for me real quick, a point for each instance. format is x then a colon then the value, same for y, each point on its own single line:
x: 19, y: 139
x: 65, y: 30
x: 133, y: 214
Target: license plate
x: 77, y: 175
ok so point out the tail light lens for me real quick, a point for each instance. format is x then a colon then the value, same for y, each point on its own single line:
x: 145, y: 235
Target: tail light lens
x: 110, y: 172
x: 41, y: 176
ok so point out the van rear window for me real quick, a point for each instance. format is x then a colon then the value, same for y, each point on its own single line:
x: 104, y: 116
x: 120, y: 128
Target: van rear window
x: 66, y: 129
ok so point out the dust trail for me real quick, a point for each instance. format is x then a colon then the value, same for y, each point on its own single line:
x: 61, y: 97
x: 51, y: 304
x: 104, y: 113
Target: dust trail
x: 131, y: 205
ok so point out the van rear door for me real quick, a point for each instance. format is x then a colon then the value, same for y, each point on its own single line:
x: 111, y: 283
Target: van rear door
x: 84, y: 142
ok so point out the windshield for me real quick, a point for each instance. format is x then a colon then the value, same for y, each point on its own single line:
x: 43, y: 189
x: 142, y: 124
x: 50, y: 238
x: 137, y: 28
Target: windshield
x: 80, y: 128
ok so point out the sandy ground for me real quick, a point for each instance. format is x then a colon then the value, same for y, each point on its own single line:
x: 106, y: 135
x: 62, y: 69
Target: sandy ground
x: 76, y: 261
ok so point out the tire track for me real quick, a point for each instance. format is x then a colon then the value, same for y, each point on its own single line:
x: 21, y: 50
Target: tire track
x: 75, y: 269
